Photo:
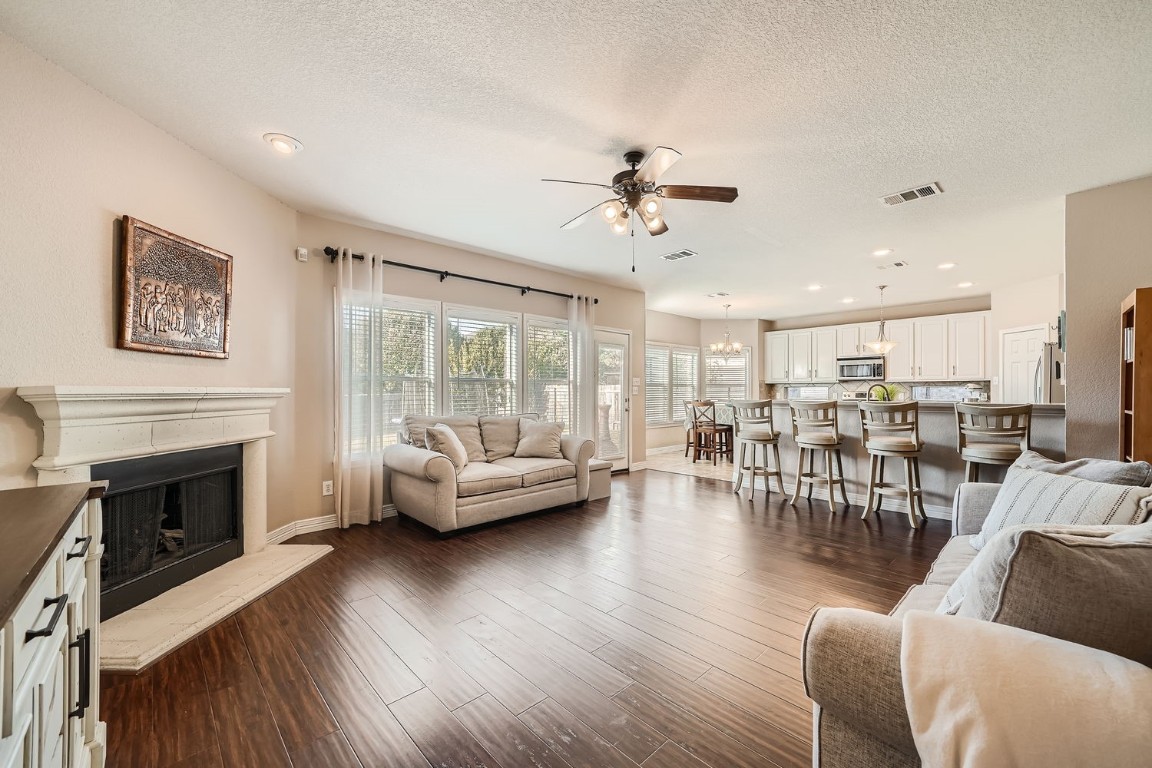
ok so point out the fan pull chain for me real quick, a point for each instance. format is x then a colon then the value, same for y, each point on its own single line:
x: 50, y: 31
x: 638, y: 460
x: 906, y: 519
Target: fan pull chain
x: 633, y: 235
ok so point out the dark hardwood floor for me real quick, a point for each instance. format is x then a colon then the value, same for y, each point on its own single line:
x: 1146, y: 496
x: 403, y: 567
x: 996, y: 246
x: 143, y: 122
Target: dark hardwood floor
x: 659, y: 628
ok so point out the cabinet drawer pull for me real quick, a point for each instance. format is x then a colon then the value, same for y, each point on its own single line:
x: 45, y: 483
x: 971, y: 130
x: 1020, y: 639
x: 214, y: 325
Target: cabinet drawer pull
x: 83, y: 643
x: 86, y: 541
x: 61, y: 603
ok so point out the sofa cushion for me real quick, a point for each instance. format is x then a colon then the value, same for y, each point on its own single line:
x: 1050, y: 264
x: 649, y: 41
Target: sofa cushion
x: 951, y: 562
x: 922, y: 597
x: 537, y: 471
x: 501, y: 434
x: 1030, y: 496
x: 1084, y: 589
x: 1135, y: 473
x: 539, y: 440
x: 467, y: 428
x: 442, y: 439
x: 482, y: 477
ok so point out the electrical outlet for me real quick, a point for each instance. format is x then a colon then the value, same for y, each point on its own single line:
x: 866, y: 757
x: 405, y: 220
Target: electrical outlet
x: 326, y: 488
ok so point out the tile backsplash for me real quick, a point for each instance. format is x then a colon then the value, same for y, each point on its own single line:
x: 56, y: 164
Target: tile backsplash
x: 929, y: 390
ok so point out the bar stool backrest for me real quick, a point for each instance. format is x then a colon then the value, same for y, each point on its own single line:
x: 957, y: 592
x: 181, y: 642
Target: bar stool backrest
x: 819, y: 416
x: 703, y: 413
x: 890, y: 420
x: 993, y: 424
x: 752, y: 413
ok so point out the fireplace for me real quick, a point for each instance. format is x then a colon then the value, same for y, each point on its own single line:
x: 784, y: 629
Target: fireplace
x: 168, y: 519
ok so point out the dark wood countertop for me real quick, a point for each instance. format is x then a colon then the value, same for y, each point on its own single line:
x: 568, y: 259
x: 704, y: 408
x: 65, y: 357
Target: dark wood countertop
x: 32, y: 521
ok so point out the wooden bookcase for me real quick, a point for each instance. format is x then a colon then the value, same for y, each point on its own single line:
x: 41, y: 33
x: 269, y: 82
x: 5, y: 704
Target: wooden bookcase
x: 1136, y: 376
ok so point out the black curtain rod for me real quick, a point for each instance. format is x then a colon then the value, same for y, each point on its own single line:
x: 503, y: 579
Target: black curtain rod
x: 443, y: 274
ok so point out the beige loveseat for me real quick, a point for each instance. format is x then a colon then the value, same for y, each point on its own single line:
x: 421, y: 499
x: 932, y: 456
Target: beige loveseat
x: 493, y: 485
x: 852, y: 658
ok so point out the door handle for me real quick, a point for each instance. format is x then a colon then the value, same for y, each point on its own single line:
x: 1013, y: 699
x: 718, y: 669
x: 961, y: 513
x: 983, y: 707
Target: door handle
x: 83, y: 643
x: 1036, y: 379
x: 85, y: 541
x: 61, y: 603
x: 953, y: 370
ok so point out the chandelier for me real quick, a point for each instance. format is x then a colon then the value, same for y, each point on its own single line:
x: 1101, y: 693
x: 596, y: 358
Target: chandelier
x: 882, y: 345
x: 726, y: 348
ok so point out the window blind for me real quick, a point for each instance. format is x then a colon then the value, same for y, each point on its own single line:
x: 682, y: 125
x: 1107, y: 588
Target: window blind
x: 656, y: 384
x: 685, y: 380
x: 547, y: 366
x: 726, y: 379
x: 482, y: 356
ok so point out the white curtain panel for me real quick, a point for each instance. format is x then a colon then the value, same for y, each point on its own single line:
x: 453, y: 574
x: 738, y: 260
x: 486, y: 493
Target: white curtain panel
x: 358, y: 458
x: 582, y: 326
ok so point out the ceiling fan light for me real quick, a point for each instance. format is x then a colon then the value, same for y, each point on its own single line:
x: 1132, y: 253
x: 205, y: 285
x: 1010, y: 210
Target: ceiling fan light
x: 619, y: 225
x: 651, y: 205
x: 612, y: 211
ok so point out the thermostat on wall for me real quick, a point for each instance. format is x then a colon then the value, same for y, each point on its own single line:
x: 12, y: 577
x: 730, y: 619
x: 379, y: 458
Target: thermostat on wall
x: 301, y: 254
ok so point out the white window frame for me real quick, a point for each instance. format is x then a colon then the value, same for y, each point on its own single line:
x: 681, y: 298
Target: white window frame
x: 670, y: 405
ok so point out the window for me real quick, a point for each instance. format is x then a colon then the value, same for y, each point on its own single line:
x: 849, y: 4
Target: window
x: 397, y: 341
x: 547, y: 367
x: 482, y: 357
x: 726, y: 379
x: 670, y: 377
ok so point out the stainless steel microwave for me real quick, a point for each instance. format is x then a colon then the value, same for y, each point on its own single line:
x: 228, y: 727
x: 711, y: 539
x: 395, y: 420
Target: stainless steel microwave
x: 860, y: 368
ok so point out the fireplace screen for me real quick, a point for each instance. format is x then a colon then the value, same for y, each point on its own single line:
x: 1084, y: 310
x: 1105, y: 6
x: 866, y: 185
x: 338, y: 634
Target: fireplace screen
x: 167, y: 519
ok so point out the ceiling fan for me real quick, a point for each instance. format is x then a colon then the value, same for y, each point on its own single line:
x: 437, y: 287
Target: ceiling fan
x: 635, y: 191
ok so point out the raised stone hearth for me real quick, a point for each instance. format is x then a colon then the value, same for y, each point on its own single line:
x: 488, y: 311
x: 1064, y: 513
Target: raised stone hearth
x: 86, y: 425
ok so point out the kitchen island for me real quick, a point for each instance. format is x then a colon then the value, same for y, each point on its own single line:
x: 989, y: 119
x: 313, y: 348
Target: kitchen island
x: 941, y: 468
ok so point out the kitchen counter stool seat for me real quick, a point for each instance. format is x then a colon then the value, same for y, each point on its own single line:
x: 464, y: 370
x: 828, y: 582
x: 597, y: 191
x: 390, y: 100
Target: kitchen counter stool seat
x: 754, y: 430
x: 892, y: 430
x: 991, y: 434
x: 816, y: 428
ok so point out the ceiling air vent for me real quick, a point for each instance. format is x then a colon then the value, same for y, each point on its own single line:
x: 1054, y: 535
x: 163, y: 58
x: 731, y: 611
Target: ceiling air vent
x: 908, y: 195
x: 893, y: 265
x: 677, y: 255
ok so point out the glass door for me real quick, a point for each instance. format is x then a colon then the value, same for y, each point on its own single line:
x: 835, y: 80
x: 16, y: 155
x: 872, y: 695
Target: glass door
x: 613, y: 398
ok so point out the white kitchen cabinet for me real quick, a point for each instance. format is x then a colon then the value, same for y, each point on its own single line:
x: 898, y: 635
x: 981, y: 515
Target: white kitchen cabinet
x: 966, y: 346
x: 848, y: 340
x: 824, y: 346
x: 930, y: 338
x: 776, y: 359
x: 899, y: 363
x: 800, y: 356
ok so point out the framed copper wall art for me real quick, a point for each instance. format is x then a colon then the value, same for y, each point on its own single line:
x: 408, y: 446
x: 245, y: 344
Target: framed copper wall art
x: 177, y: 294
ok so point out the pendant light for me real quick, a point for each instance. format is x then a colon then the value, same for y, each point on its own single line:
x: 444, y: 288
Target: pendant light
x: 726, y: 348
x: 882, y: 345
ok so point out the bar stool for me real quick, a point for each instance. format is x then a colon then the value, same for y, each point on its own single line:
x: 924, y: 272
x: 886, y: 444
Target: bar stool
x: 754, y: 429
x: 711, y: 438
x: 893, y: 429
x: 991, y: 434
x: 816, y: 427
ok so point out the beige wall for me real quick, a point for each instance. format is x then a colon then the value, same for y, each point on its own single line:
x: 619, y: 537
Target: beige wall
x: 1108, y: 254
x: 619, y: 308
x: 73, y: 162
x: 669, y: 329
x: 1036, y: 302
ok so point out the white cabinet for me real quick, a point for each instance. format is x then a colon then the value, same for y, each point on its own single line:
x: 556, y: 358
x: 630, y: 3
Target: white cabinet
x: 824, y: 346
x: 966, y: 346
x: 930, y: 338
x: 776, y: 359
x: 899, y: 363
x: 800, y: 356
x: 848, y: 341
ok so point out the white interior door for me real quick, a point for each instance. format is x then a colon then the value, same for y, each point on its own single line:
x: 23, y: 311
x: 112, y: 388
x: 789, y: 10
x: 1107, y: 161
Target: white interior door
x: 613, y: 398
x: 1021, y: 351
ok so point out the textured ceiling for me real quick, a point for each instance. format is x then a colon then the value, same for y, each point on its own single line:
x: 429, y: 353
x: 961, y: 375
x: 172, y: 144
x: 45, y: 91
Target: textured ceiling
x: 438, y: 119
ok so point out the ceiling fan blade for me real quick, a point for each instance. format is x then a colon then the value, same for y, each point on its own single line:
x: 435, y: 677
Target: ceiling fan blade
x: 580, y: 219
x: 691, y: 192
x: 585, y: 183
x: 654, y: 166
x: 653, y: 221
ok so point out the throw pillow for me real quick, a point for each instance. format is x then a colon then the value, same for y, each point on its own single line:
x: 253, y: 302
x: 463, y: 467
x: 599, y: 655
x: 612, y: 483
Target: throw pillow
x: 501, y: 434
x: 467, y: 428
x: 539, y: 440
x: 442, y: 439
x: 1091, y: 590
x: 977, y: 588
x: 1137, y: 473
x: 1009, y: 697
x: 1030, y: 496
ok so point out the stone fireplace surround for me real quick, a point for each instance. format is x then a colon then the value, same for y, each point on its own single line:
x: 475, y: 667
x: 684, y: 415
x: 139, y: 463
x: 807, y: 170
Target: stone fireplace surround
x: 86, y: 425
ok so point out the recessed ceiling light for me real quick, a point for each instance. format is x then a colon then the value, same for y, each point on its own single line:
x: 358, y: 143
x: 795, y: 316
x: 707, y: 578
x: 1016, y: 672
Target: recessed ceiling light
x: 718, y: 294
x: 945, y: 265
x: 848, y: 300
x: 283, y: 143
x: 815, y: 287
x: 883, y: 252
x: 965, y: 284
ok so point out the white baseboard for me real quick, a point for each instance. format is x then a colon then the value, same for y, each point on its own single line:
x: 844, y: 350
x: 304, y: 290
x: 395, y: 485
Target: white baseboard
x: 307, y: 525
x: 667, y: 449
x: 638, y: 465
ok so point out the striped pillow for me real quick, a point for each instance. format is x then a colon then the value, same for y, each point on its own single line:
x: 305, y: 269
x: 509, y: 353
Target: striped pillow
x: 1030, y: 496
